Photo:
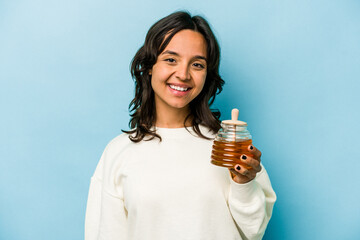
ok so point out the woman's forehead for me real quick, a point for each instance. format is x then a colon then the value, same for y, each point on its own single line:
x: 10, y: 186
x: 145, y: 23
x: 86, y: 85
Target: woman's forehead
x: 187, y: 42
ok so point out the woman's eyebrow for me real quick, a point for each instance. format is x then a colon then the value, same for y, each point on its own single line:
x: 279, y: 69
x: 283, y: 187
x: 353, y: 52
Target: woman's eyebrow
x: 170, y: 52
x: 176, y: 54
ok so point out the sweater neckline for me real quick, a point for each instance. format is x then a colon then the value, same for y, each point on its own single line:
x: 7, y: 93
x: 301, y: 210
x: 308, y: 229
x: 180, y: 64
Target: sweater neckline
x: 181, y: 132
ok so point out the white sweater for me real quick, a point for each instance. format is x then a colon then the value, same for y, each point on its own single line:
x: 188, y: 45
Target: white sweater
x: 169, y: 190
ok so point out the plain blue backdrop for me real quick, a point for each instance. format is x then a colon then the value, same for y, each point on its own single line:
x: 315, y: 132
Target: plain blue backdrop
x: 291, y: 67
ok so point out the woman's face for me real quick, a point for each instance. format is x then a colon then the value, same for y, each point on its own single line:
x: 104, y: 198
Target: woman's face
x: 179, y: 74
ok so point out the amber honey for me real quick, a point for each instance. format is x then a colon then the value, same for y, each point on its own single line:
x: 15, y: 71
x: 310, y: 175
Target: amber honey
x: 227, y: 154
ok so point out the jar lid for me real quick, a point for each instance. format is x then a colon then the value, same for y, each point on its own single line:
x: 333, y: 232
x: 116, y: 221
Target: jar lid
x: 234, y: 119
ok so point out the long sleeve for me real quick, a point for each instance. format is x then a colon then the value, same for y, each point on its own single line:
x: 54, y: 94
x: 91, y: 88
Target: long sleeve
x: 105, y: 212
x: 93, y: 210
x: 251, y: 205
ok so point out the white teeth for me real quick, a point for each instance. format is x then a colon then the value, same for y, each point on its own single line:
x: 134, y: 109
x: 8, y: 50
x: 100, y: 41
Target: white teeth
x: 178, y: 88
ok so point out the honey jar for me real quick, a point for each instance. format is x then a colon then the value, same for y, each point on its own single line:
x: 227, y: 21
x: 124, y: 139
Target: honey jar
x: 232, y: 140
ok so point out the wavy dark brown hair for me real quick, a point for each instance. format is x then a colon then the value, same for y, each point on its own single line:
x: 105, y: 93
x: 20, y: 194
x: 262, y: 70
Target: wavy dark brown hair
x: 142, y: 107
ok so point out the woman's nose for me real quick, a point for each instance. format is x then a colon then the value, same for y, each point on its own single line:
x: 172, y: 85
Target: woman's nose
x: 183, y: 73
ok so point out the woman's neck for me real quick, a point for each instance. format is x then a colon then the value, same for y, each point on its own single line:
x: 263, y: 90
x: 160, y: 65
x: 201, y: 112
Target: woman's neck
x: 173, y: 118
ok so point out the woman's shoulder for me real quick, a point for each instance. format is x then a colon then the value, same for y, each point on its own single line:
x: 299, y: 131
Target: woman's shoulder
x: 118, y: 143
x: 207, y: 132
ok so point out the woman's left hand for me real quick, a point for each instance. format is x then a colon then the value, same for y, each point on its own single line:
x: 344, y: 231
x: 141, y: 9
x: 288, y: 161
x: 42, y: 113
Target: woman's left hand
x: 243, y: 175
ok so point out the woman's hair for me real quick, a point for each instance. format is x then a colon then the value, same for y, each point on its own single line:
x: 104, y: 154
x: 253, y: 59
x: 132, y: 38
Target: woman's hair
x: 142, y: 107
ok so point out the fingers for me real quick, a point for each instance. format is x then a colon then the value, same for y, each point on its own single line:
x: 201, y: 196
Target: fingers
x: 235, y: 173
x: 251, y: 162
x: 255, y: 152
x: 242, y: 172
x: 251, y: 166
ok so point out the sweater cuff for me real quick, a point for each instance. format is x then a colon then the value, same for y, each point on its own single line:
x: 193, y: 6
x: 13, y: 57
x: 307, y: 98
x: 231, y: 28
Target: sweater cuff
x: 244, y: 193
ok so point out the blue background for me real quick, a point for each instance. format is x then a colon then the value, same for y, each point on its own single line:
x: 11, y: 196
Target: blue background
x: 291, y: 67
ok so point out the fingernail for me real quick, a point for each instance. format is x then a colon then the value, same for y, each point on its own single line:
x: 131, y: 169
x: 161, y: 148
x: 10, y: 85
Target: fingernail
x: 238, y: 168
x: 251, y: 147
x: 243, y: 157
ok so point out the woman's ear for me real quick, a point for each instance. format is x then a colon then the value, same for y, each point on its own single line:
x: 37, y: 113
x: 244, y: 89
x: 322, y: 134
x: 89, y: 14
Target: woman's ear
x: 150, y: 72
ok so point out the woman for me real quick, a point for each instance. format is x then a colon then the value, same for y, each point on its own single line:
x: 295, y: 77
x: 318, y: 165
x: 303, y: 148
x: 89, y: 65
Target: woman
x: 156, y: 181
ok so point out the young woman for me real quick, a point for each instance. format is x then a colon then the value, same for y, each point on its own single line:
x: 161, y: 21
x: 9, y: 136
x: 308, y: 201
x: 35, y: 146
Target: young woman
x: 156, y: 180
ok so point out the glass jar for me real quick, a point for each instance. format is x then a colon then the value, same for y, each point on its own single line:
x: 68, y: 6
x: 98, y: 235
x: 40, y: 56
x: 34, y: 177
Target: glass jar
x: 232, y: 140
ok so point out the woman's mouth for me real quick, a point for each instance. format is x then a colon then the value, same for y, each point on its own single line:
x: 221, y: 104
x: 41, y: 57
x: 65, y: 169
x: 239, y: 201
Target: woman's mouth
x: 178, y: 88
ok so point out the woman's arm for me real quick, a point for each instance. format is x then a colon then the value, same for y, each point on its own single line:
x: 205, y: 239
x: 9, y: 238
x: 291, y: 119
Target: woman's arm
x: 105, y: 211
x: 93, y: 210
x: 251, y: 205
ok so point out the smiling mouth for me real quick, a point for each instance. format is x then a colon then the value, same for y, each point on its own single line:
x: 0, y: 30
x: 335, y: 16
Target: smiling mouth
x: 178, y: 88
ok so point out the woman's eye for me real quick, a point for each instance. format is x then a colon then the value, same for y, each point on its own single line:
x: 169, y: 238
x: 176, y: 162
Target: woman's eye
x: 170, y: 60
x: 198, y: 65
